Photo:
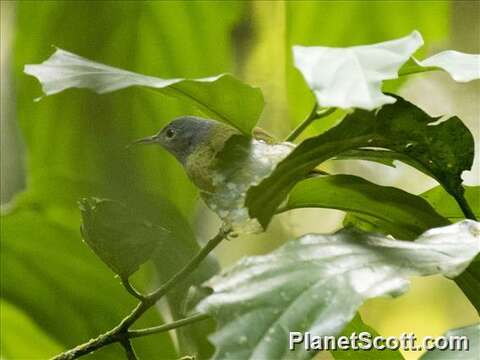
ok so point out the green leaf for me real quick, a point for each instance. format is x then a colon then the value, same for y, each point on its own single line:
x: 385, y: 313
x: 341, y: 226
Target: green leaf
x: 78, y: 137
x: 222, y: 97
x: 118, y: 235
x: 456, y: 337
x: 318, y: 282
x: 384, y: 157
x: 16, y: 328
x: 446, y: 206
x: 48, y: 274
x: 393, y: 207
x: 357, y: 326
x: 469, y: 280
x: 444, y: 150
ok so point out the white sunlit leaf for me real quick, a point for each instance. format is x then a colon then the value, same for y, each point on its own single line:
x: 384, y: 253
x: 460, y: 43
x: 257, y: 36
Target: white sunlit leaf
x: 317, y: 283
x: 461, y: 67
x: 352, y: 77
x: 221, y: 97
x: 64, y: 70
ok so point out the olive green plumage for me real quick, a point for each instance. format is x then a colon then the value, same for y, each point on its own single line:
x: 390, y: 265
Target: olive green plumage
x: 195, y: 143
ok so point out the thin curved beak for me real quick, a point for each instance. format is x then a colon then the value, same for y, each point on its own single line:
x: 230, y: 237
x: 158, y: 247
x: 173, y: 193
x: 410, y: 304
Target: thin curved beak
x: 146, y: 140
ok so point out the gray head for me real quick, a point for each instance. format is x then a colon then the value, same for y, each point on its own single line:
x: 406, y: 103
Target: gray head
x: 182, y: 136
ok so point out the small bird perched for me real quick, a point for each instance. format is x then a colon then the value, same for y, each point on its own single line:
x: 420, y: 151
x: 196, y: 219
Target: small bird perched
x: 222, y: 162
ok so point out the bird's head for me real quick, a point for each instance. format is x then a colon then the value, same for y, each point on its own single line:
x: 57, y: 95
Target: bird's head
x: 182, y: 136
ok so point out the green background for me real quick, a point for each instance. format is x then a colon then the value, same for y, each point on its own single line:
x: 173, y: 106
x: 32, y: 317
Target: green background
x: 54, y: 292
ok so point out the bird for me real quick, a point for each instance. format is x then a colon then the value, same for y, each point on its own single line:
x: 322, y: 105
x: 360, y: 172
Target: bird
x: 222, y: 162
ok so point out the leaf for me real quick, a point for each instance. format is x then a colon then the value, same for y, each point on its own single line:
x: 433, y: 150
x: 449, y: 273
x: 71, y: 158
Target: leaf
x: 352, y: 77
x: 460, y: 66
x: 78, y: 137
x: 318, y: 282
x: 393, y: 207
x: 302, y: 27
x: 469, y: 280
x: 48, y: 274
x: 357, y: 326
x: 438, y: 198
x: 446, y: 206
x: 119, y: 236
x: 454, y: 338
x: 13, y: 323
x: 443, y: 150
x: 379, y: 156
x: 222, y: 97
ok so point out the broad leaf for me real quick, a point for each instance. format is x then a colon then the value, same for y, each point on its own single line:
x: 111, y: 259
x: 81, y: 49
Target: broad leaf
x: 384, y: 157
x: 460, y: 66
x: 469, y: 280
x: 446, y: 206
x: 222, y: 97
x: 119, y: 235
x: 444, y: 150
x: 357, y: 326
x: 469, y: 348
x: 78, y: 136
x: 15, y: 327
x: 318, y: 282
x: 352, y: 77
x: 301, y: 26
x: 396, y: 209
x: 49, y: 274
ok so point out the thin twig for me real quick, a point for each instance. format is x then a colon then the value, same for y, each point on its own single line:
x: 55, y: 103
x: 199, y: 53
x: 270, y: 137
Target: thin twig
x: 128, y: 286
x: 153, y: 297
x: 409, y: 70
x: 314, y: 115
x: 120, y: 332
x: 128, y: 349
x: 166, y: 327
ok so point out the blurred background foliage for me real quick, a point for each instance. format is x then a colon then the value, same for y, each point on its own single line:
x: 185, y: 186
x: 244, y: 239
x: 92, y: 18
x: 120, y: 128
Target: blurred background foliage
x: 54, y: 292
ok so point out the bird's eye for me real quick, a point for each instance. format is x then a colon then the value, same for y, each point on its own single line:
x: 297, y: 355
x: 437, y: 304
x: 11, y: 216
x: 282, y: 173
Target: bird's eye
x: 170, y: 133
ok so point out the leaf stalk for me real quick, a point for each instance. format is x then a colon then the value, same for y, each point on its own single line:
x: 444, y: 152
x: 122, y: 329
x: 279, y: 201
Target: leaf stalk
x: 315, y: 114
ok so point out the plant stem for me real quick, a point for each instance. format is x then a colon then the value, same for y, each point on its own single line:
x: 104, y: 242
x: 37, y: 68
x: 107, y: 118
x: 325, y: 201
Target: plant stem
x: 314, y: 115
x: 162, y: 328
x: 466, y: 209
x: 120, y: 333
x: 88, y: 347
x: 416, y: 69
x: 129, y: 349
x: 134, y: 292
x: 153, y: 297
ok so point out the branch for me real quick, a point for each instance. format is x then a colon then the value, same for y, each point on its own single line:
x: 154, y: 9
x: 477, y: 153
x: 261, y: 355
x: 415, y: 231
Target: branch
x: 314, y: 115
x: 120, y: 333
x: 415, y: 69
x: 129, y: 349
x: 153, y: 297
x: 166, y: 327
x: 466, y: 209
x: 134, y: 292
